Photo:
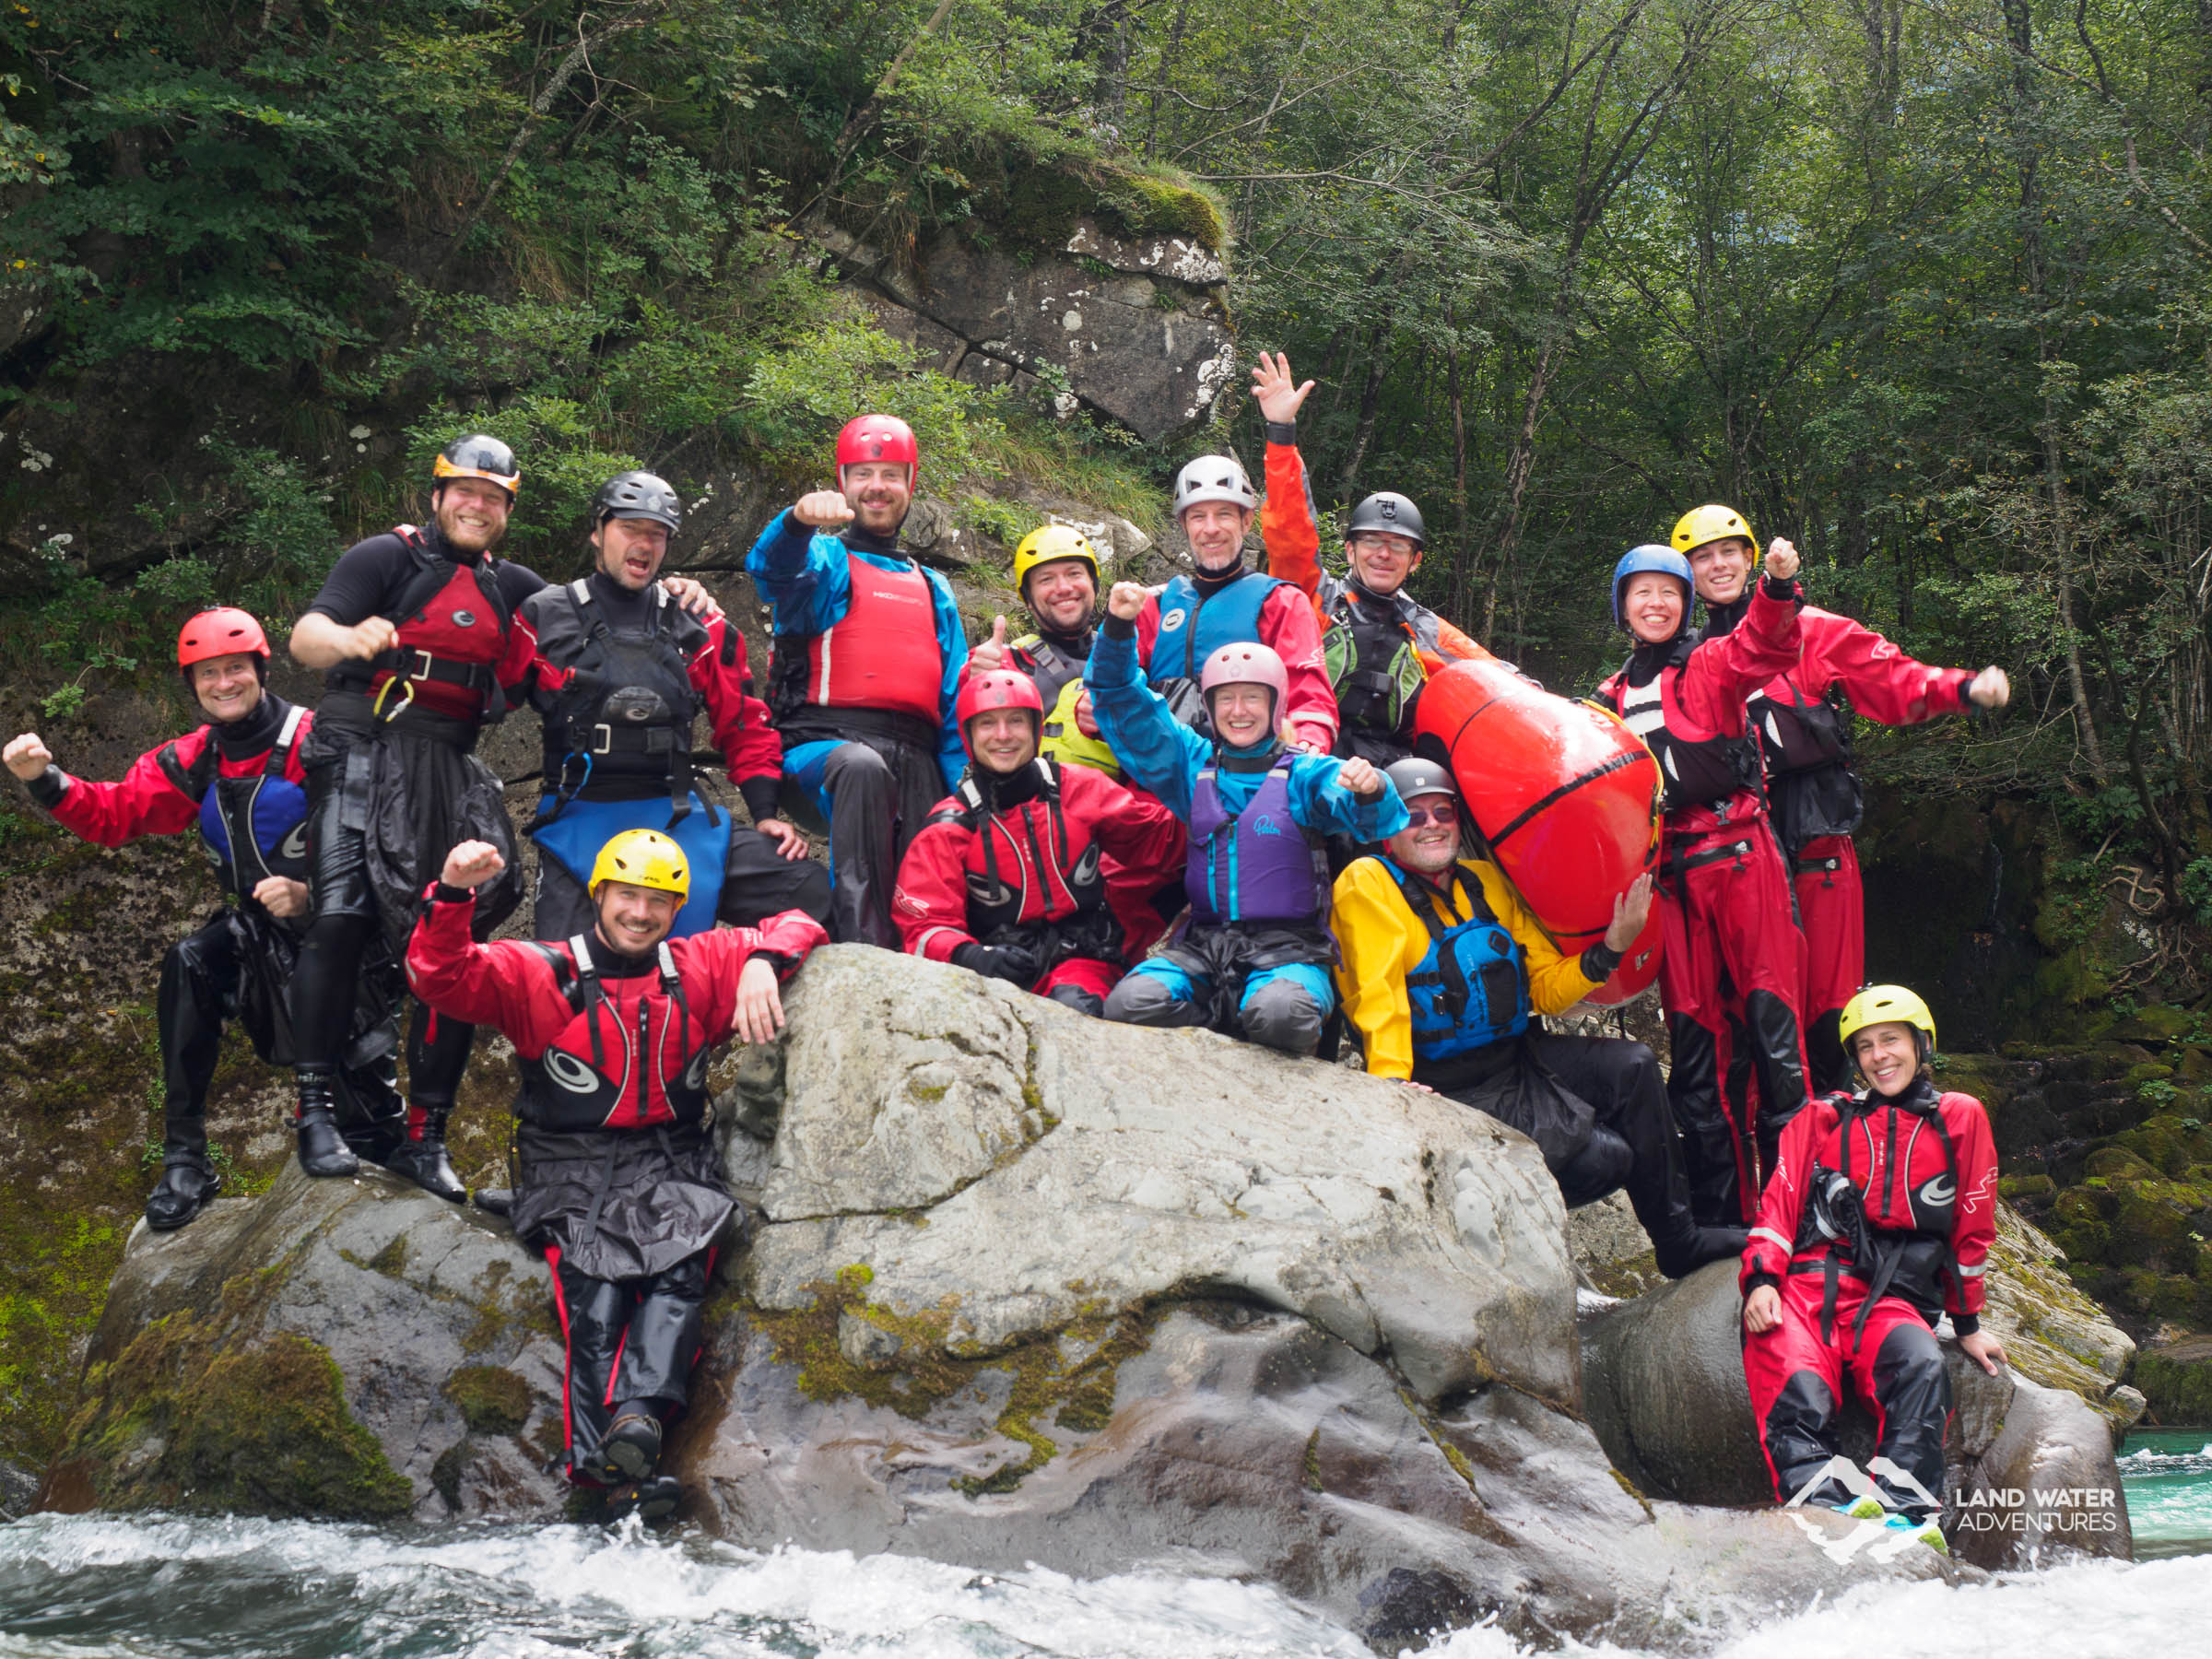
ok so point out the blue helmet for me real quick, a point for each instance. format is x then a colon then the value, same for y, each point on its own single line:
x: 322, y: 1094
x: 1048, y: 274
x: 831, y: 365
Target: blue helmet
x: 1652, y: 556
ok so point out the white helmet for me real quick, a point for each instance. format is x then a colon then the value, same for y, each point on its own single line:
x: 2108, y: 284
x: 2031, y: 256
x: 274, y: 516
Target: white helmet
x: 1213, y: 479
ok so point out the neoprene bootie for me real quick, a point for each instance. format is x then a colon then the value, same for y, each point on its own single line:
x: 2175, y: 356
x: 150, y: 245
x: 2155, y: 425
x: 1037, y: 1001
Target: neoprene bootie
x: 653, y: 1500
x: 186, y: 1185
x: 323, y: 1150
x: 422, y: 1157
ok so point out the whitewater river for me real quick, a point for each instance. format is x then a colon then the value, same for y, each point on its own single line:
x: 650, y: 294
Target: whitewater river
x: 87, y: 1586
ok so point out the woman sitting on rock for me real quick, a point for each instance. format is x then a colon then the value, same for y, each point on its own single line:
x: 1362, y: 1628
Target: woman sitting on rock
x: 1878, y: 1219
x: 1253, y: 960
x: 616, y: 1179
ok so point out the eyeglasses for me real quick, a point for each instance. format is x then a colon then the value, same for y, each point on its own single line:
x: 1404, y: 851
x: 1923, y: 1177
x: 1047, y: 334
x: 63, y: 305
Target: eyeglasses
x: 1444, y: 815
x: 1383, y: 544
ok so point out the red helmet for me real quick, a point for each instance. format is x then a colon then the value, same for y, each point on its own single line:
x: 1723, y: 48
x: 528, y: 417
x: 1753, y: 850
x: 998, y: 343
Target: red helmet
x: 223, y: 631
x: 878, y: 438
x: 996, y: 689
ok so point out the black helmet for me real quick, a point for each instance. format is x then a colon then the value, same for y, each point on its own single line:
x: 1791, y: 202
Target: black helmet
x: 1390, y: 513
x: 477, y: 456
x: 1414, y: 776
x: 638, y: 495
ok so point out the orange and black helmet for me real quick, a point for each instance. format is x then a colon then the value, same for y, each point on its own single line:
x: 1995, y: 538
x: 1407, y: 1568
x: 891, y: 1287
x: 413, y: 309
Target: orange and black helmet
x: 478, y: 456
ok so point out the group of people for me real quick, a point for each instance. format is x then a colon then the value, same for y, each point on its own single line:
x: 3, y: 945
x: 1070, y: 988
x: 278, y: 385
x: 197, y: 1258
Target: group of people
x: 1201, y: 805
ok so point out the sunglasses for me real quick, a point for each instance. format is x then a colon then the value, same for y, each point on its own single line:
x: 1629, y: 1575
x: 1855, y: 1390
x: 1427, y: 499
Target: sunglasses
x: 1444, y: 815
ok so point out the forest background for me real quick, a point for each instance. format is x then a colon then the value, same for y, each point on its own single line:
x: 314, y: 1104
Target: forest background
x: 1923, y: 285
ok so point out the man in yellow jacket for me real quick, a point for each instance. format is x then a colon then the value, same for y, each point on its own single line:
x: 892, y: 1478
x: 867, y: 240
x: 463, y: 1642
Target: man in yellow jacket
x: 1441, y: 970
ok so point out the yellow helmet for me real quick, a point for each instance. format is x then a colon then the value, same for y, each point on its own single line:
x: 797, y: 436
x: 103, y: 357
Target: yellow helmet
x: 1702, y: 524
x: 643, y: 858
x: 1049, y: 543
x: 1885, y: 1005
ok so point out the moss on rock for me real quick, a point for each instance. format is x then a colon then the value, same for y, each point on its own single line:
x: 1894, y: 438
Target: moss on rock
x: 492, y: 1399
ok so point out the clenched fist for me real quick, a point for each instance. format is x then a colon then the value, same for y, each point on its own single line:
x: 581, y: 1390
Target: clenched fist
x: 1781, y: 559
x: 1125, y: 600
x: 823, y: 510
x: 27, y: 755
x: 471, y: 865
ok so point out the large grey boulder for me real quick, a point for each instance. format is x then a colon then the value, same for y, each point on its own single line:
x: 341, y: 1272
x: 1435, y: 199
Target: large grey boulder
x: 2028, y: 1468
x: 352, y: 1347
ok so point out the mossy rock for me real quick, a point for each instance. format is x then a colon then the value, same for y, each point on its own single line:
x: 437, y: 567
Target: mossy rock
x: 2078, y: 1206
x: 189, y: 1419
x: 2177, y: 1382
x: 2085, y: 1241
x: 1044, y: 199
x: 2156, y: 1023
x: 492, y: 1399
x: 2117, y: 1164
x: 2021, y: 1187
x: 2138, y: 1290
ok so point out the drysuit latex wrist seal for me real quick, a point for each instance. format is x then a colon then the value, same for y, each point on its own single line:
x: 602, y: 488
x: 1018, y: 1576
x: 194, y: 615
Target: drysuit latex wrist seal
x: 761, y: 796
x: 443, y: 894
x: 1760, y: 1281
x: 48, y: 788
x: 1784, y: 589
x: 1282, y: 431
x: 1117, y: 627
x: 1966, y: 1324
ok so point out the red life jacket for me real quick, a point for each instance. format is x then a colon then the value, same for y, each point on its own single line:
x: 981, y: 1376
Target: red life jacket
x: 453, y: 632
x: 883, y: 652
x: 632, y: 1057
x: 1024, y: 860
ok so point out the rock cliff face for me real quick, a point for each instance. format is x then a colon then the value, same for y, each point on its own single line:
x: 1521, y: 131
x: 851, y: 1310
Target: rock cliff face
x: 1026, y: 1287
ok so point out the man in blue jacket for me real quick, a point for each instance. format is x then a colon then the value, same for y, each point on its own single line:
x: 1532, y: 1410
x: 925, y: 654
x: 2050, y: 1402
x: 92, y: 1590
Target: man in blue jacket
x: 868, y: 649
x: 1253, y: 957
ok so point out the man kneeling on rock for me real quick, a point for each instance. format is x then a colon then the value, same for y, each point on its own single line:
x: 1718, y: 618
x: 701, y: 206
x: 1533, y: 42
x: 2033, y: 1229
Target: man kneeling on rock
x: 616, y: 1179
x: 1877, y: 1218
x: 1008, y: 878
x: 1441, y: 970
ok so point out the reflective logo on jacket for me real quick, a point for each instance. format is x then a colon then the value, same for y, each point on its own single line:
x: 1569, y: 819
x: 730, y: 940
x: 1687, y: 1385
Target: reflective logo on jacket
x: 631, y: 1057
x: 1471, y: 988
x: 254, y: 827
x: 883, y: 652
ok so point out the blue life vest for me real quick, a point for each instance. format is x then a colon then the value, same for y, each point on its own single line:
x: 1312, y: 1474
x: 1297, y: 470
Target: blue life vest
x: 1471, y: 990
x: 1254, y: 866
x: 254, y: 827
x: 575, y: 835
x: 1192, y: 628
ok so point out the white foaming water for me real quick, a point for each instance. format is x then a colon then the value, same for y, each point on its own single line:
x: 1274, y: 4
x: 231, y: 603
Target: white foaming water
x: 93, y: 1588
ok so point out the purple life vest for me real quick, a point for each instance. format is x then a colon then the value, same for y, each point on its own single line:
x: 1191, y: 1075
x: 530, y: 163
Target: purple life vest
x: 1255, y: 865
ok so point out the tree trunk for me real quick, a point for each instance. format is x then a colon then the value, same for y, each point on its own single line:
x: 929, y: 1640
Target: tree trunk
x: 1370, y: 399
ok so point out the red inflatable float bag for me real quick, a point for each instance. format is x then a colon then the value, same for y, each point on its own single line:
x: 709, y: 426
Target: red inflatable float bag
x: 1565, y: 796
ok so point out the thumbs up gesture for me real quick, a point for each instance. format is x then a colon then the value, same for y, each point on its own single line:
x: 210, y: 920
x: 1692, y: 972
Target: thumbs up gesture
x: 992, y: 653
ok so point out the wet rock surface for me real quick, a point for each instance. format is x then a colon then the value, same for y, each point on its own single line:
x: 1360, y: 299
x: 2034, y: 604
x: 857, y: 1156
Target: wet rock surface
x: 2028, y: 1466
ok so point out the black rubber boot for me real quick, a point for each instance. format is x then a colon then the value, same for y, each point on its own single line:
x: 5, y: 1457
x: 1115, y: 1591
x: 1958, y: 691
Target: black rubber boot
x: 632, y: 1447
x: 186, y: 1185
x: 495, y: 1201
x: 323, y: 1150
x: 422, y: 1160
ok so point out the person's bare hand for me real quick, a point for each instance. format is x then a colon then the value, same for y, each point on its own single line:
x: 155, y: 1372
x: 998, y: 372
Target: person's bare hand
x: 1984, y: 1350
x: 823, y: 510
x: 1632, y: 910
x: 1990, y: 689
x: 1278, y: 393
x: 369, y: 638
x: 992, y: 653
x: 1361, y: 777
x: 281, y: 896
x: 789, y: 842
x: 27, y: 755
x: 471, y: 865
x: 1124, y: 599
x: 759, y: 1002
x: 693, y: 596
x: 1762, y: 1309
x: 1781, y: 559
x: 1423, y: 1087
x: 1086, y: 719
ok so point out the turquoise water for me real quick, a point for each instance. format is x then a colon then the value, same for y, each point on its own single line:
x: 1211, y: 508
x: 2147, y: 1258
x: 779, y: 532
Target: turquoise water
x: 2167, y: 1473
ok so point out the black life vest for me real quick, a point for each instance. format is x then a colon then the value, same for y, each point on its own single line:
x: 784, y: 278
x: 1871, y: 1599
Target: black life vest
x: 452, y: 622
x: 1471, y: 989
x: 613, y: 1067
x: 1373, y: 662
x: 1806, y: 747
x: 625, y: 718
x: 254, y: 827
x: 1911, y: 1255
x: 1696, y: 771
